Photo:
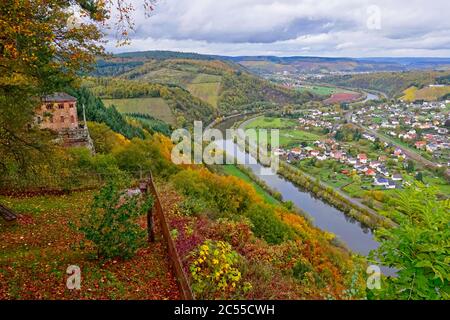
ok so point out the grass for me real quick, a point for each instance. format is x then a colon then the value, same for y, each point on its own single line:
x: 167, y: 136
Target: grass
x: 327, y: 174
x: 156, y: 107
x: 270, y: 123
x: 206, y: 91
x: 288, y: 137
x: 169, y: 76
x: 232, y: 170
x: 322, y: 90
x: 36, y: 250
x: 206, y: 78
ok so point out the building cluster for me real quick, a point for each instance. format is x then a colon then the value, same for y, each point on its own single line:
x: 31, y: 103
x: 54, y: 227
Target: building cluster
x: 424, y: 126
x: 330, y: 149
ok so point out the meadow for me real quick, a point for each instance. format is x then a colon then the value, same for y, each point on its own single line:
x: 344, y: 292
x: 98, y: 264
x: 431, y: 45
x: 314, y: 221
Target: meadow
x: 288, y: 135
x: 270, y: 123
x: 323, y: 90
x: 206, y: 87
x: 155, y: 107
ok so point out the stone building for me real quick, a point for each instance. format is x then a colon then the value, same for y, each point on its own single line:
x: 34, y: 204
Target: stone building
x: 58, y: 112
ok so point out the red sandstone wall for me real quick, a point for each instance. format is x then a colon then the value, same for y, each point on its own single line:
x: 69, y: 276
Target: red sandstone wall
x: 58, y: 115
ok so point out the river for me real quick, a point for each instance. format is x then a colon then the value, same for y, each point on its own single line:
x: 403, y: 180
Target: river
x: 371, y: 96
x: 324, y: 216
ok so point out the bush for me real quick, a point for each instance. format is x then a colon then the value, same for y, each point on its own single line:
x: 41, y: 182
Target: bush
x: 110, y: 223
x: 214, y: 271
x: 300, y: 269
x: 268, y: 226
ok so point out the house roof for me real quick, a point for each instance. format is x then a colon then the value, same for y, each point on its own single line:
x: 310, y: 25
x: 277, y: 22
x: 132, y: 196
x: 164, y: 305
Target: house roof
x: 59, y: 97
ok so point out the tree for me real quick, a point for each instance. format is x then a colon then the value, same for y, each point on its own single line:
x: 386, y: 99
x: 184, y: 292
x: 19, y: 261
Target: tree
x: 419, y: 248
x: 43, y: 49
x: 410, y: 167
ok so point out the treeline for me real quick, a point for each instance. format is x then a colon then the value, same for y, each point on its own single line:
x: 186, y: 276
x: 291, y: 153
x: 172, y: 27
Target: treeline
x: 332, y: 197
x: 240, y: 89
x: 96, y: 111
x: 150, y: 123
x: 443, y: 79
x: 105, y: 68
x: 114, y: 88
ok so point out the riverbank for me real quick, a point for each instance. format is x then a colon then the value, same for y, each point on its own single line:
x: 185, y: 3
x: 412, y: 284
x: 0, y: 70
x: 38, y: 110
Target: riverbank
x: 350, y: 206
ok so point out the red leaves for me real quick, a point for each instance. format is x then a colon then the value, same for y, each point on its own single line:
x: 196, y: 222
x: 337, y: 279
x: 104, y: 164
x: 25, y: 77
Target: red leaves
x: 30, y: 268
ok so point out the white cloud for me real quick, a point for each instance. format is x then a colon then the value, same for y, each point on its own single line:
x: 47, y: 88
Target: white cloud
x: 294, y: 27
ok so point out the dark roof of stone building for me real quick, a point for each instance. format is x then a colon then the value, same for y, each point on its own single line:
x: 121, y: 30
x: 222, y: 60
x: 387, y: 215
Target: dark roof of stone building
x: 59, y: 97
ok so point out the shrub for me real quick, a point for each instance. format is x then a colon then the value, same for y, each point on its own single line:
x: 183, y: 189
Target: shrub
x: 193, y: 206
x: 300, y: 269
x: 268, y: 226
x: 214, y: 271
x: 110, y: 223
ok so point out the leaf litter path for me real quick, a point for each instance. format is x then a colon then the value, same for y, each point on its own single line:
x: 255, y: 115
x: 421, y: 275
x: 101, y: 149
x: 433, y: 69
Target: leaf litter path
x: 36, y: 250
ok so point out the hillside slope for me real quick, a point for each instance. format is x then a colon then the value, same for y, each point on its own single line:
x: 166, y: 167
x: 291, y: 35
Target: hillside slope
x: 223, y: 85
x: 391, y: 83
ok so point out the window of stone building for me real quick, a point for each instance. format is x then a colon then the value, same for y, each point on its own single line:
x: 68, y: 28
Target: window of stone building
x: 62, y: 119
x: 51, y: 119
x: 61, y: 106
x: 72, y: 119
x: 49, y: 106
x: 71, y: 105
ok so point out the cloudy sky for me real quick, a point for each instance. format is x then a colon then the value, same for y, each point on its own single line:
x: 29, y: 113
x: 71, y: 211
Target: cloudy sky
x: 350, y: 28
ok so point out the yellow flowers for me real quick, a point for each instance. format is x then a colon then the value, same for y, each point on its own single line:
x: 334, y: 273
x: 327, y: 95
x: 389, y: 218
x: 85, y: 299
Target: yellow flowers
x: 217, y: 272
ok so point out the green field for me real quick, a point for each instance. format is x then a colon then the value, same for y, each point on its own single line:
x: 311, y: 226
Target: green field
x: 155, y: 107
x: 328, y: 172
x: 322, y: 90
x: 206, y: 78
x: 293, y: 137
x: 208, y: 91
x: 288, y: 137
x: 206, y: 87
x: 168, y: 76
x: 270, y: 123
x: 232, y: 170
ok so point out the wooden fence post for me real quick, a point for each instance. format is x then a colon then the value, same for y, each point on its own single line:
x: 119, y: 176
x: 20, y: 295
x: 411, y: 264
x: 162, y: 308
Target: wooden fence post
x: 183, y: 281
x: 143, y: 186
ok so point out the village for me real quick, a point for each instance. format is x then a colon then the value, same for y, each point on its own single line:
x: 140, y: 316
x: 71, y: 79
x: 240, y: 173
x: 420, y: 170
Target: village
x: 347, y: 155
x: 422, y: 126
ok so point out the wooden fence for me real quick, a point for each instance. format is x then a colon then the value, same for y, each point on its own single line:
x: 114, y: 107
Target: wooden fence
x: 158, y: 211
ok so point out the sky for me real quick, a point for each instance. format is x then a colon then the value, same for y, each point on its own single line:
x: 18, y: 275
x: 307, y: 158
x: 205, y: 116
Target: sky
x: 333, y: 28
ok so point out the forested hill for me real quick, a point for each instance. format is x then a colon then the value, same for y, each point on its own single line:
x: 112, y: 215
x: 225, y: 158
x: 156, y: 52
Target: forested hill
x: 295, y: 64
x: 391, y: 83
x: 223, y: 87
